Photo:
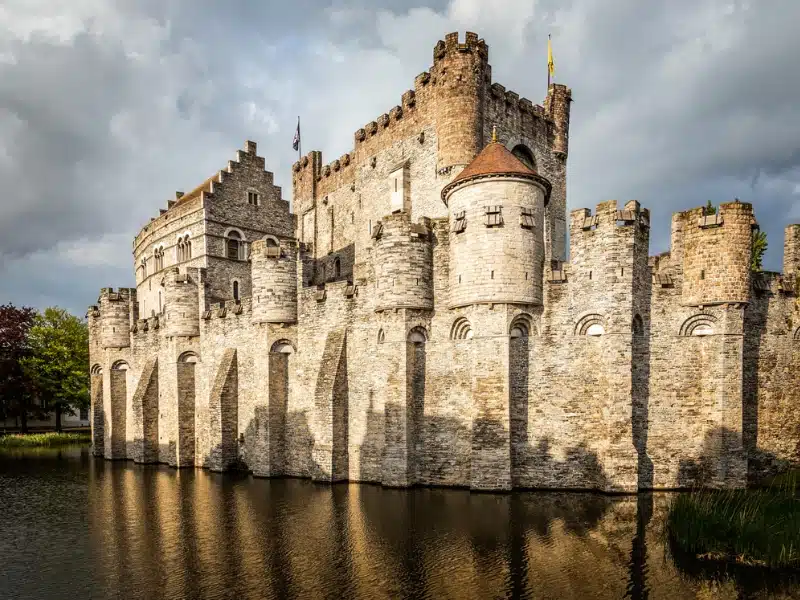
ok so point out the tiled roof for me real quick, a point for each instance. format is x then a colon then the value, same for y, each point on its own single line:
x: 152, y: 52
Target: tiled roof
x: 494, y: 159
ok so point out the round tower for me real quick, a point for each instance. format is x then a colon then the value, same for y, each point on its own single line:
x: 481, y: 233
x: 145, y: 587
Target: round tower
x: 274, y: 276
x: 717, y: 254
x: 496, y: 207
x: 404, y: 264
x: 115, y: 325
x: 459, y: 74
x: 182, y: 305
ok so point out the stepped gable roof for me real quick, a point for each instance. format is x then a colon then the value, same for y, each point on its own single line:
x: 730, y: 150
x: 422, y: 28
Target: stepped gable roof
x: 495, y: 160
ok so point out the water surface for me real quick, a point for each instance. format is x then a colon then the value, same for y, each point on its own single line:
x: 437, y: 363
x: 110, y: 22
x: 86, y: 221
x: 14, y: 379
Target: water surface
x: 74, y: 526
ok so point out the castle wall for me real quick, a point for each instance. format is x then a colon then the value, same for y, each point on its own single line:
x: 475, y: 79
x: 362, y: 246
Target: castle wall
x: 772, y: 376
x: 355, y: 355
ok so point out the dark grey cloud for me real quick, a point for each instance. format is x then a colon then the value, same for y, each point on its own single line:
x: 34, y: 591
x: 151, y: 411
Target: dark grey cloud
x: 106, y: 107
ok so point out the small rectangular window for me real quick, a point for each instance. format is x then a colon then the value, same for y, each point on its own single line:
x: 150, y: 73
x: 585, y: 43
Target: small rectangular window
x: 252, y: 198
x: 526, y: 218
x: 494, y: 216
x: 459, y: 222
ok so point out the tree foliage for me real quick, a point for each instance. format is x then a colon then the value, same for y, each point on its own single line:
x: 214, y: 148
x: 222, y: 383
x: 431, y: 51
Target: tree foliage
x: 58, y: 362
x: 757, y: 250
x: 710, y: 209
x: 15, y: 387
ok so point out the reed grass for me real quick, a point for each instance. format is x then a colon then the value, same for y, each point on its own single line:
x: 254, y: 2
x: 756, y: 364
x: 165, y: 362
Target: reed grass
x: 35, y: 440
x: 752, y: 527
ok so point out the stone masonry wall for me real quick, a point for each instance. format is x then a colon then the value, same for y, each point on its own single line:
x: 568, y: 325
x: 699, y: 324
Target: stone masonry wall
x: 351, y: 356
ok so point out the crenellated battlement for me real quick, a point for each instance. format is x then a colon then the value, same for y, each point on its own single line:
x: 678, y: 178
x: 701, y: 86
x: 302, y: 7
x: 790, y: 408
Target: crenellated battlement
x: 451, y: 45
x: 608, y: 216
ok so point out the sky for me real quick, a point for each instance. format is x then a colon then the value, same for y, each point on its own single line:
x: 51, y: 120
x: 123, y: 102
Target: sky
x: 108, y: 107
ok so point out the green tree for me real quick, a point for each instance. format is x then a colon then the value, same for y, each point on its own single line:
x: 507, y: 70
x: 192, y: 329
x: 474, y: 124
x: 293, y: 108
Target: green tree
x: 58, y: 364
x: 15, y: 387
x: 710, y: 209
x: 758, y: 249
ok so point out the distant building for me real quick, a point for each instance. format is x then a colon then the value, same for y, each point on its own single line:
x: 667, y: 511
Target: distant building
x: 416, y: 321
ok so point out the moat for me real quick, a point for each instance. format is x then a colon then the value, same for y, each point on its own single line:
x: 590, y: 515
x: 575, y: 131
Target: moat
x: 75, y: 526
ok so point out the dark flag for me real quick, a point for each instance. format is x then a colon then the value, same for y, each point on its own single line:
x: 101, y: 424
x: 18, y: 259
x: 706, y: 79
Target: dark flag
x: 296, y: 140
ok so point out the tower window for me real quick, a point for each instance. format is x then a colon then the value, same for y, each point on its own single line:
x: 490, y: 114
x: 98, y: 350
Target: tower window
x: 494, y: 216
x: 235, y: 290
x: 459, y: 222
x: 526, y: 218
x: 252, y: 198
x: 337, y: 268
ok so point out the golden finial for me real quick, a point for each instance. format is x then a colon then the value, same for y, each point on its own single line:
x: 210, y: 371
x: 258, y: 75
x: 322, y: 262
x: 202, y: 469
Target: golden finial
x: 494, y: 134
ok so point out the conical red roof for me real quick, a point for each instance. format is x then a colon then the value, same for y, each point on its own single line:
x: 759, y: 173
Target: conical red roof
x: 494, y: 159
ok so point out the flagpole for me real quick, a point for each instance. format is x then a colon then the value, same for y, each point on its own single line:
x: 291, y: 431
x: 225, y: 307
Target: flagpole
x: 548, y: 63
x: 300, y: 139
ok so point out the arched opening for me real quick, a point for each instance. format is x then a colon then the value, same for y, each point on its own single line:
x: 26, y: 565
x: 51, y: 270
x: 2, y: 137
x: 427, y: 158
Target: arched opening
x: 184, y: 454
x: 280, y: 363
x: 337, y: 268
x: 118, y: 381
x: 519, y: 351
x: 235, y: 290
x: 461, y: 329
x: 525, y: 156
x: 160, y: 307
x: 415, y: 400
x: 97, y: 419
x: 381, y: 336
x: 699, y: 325
x: 590, y: 325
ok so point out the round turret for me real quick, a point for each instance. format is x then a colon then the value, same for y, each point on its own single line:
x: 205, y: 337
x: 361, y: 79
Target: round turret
x: 182, y: 305
x: 274, y: 276
x: 404, y: 264
x: 114, y: 317
x: 496, y: 207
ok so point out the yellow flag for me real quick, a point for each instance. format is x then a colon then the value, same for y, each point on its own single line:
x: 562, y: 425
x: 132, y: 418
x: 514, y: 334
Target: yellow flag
x: 551, y: 66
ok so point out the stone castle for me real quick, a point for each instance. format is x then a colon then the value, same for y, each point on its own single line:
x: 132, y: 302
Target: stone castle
x: 415, y: 319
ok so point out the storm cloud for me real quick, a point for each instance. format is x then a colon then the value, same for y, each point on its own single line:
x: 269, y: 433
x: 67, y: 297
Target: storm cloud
x: 107, y: 108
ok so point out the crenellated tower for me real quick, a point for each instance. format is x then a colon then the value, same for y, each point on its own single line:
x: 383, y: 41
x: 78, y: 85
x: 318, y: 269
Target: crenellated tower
x: 404, y: 263
x: 460, y: 76
x: 715, y: 251
x: 274, y: 275
x: 182, y: 303
x: 115, y: 317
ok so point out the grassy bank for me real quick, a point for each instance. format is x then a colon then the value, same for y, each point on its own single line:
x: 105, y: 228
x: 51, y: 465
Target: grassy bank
x: 36, y: 440
x: 751, y: 527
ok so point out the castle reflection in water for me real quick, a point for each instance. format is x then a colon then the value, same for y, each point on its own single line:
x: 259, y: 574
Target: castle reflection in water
x: 157, y: 532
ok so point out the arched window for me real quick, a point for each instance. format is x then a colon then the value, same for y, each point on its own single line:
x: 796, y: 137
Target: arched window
x: 188, y: 248
x: 96, y: 370
x: 188, y: 357
x: 158, y: 259
x: 337, y: 268
x: 525, y: 156
x: 521, y: 326
x: 418, y: 335
x: 461, y: 329
x: 698, y: 325
x: 234, y: 246
x: 591, y: 325
x: 282, y: 347
x: 159, y: 301
x: 235, y: 290
x: 381, y: 336
x: 120, y: 365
